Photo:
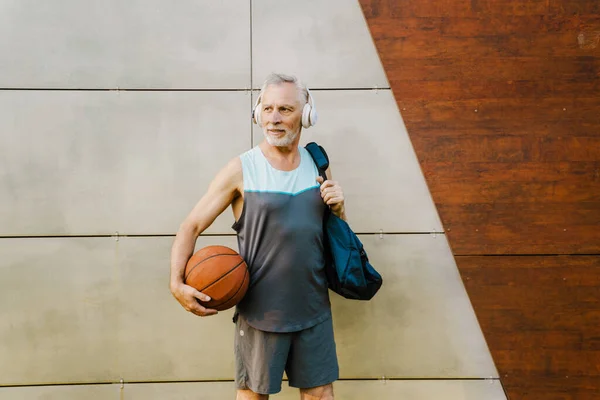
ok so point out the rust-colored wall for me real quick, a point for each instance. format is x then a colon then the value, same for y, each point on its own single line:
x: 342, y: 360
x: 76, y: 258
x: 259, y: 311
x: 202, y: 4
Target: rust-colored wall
x: 501, y: 99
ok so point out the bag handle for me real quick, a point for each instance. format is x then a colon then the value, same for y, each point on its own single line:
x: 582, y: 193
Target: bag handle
x: 319, y: 156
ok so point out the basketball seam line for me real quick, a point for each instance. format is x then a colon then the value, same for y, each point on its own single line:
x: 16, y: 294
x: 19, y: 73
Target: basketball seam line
x: 208, y: 258
x: 246, y: 274
x: 222, y: 276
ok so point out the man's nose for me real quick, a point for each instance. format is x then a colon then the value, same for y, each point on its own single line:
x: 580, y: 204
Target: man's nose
x: 276, y: 116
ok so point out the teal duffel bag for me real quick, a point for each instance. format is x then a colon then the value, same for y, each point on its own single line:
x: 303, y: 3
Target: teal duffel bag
x: 349, y: 272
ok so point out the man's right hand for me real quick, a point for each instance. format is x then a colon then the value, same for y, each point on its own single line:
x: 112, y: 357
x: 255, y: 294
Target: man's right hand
x: 188, y: 297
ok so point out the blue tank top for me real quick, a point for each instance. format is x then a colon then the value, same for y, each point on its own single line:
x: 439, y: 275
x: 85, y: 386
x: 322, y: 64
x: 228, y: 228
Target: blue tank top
x: 280, y: 236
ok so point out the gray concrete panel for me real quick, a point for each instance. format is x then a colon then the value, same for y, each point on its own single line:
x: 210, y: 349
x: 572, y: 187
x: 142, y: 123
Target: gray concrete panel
x: 100, y: 310
x: 373, y: 160
x: 421, y: 323
x: 59, y: 306
x: 327, y: 44
x: 74, y: 162
x: 158, y: 339
x: 78, y: 392
x: 346, y: 390
x: 134, y: 44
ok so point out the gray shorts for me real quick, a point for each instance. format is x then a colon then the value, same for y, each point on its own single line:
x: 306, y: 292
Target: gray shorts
x: 308, y: 357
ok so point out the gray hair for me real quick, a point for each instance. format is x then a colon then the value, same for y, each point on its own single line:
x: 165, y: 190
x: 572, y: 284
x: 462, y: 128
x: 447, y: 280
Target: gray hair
x: 278, y: 79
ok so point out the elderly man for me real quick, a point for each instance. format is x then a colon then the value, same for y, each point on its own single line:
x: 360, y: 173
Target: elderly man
x: 278, y: 200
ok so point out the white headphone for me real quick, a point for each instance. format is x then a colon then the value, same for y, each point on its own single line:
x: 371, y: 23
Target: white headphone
x: 309, y: 112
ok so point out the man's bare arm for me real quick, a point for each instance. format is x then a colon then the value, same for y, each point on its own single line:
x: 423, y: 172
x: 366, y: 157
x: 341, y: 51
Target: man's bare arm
x: 220, y: 194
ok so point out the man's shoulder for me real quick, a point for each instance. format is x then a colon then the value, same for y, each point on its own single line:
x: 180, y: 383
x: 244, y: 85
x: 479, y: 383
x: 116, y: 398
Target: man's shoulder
x: 248, y: 154
x: 248, y: 159
x: 233, y: 167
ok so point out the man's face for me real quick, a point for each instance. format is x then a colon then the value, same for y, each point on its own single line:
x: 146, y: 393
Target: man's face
x: 281, y: 116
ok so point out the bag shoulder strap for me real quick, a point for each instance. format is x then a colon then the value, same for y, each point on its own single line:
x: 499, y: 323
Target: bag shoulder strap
x: 319, y: 156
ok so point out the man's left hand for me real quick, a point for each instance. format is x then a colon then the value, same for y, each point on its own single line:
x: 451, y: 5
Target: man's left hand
x: 333, y: 196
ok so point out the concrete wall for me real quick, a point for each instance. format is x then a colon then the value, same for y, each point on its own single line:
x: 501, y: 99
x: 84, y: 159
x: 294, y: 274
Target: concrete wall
x: 94, y: 182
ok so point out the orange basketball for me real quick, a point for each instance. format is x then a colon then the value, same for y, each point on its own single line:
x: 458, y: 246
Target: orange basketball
x: 220, y: 273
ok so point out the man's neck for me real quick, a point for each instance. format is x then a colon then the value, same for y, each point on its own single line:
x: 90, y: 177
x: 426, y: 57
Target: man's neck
x: 285, y: 158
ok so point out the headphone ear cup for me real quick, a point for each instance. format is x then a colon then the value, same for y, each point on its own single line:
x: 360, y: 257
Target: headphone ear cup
x: 257, y: 117
x: 309, y: 113
x: 306, y: 116
x: 314, y: 117
x: 256, y: 111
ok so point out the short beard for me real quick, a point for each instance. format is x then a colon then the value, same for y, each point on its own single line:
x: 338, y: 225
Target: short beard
x: 284, y: 141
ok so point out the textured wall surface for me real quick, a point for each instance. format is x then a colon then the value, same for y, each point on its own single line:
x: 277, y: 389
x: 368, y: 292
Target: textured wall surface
x: 501, y: 103
x: 148, y: 44
x: 455, y: 389
x: 94, y: 182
